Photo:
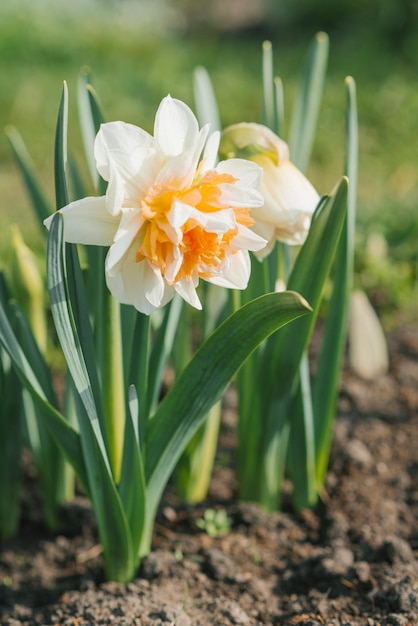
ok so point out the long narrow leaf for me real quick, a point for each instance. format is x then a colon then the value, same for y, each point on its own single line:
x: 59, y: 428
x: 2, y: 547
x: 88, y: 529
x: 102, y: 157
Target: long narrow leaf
x: 31, y: 349
x: 67, y: 438
x: 37, y: 196
x: 75, y: 286
x: 335, y: 332
x: 11, y: 444
x: 279, y: 100
x: 139, y: 370
x: 106, y: 310
x: 204, y: 380
x: 77, y: 184
x: 205, y: 99
x: 88, y: 127
x: 132, y: 487
x: 120, y: 559
x: 61, y: 191
x: 308, y: 278
x: 301, y: 452
x: 97, y: 118
x: 306, y: 107
x: 66, y: 327
x: 268, y: 105
x: 48, y: 459
x: 11, y: 435
x: 161, y: 349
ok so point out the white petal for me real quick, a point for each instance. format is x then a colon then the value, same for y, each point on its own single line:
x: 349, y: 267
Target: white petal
x: 129, y: 158
x: 173, y: 266
x: 285, y: 188
x: 176, y: 128
x: 264, y: 230
x: 210, y: 154
x: 128, y: 230
x: 180, y: 170
x: 237, y: 274
x: 117, y: 289
x: 267, y: 232
x: 294, y: 229
x: 236, y: 196
x: 295, y: 189
x: 140, y: 285
x: 87, y: 221
x: 117, y: 141
x: 187, y: 290
x: 248, y: 173
x: 153, y: 284
x: 247, y: 239
x: 261, y: 254
x: 214, y: 222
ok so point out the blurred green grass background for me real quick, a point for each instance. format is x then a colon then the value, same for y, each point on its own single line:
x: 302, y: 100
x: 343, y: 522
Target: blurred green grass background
x: 138, y: 51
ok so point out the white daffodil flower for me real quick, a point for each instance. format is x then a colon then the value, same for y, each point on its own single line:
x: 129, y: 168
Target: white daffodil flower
x: 289, y: 198
x: 170, y: 215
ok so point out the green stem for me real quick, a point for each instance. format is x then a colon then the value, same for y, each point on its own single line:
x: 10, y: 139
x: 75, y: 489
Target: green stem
x: 274, y: 456
x: 139, y: 368
x: 301, y: 456
x: 234, y: 298
x: 195, y: 466
x: 113, y: 384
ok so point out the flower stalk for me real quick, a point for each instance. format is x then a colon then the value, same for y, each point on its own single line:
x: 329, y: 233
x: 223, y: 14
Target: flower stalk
x: 113, y: 384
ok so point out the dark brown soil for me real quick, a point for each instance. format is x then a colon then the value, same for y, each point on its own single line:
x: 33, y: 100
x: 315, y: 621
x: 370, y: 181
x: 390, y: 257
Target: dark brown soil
x: 351, y: 562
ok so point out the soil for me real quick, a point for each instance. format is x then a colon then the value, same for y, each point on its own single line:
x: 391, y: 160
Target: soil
x: 353, y: 561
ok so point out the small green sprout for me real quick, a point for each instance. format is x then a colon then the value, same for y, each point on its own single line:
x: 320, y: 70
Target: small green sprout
x: 215, y: 523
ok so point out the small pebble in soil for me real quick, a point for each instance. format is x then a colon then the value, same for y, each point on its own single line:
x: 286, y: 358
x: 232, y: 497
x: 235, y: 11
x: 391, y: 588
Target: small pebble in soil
x: 235, y: 614
x: 220, y: 567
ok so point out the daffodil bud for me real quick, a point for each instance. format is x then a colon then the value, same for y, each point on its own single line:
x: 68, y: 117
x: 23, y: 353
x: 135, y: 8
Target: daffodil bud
x: 28, y: 286
x: 289, y: 198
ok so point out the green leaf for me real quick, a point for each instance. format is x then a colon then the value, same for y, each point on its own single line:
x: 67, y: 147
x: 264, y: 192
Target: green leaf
x: 88, y: 125
x: 204, y: 380
x: 162, y: 346
x: 308, y: 99
x: 139, y: 368
x: 77, y: 184
x: 301, y: 447
x: 105, y: 309
x: 335, y: 332
x: 67, y: 438
x: 30, y: 347
x: 98, y: 119
x: 279, y: 371
x: 194, y: 470
x: 132, y: 487
x: 38, y: 198
x: 91, y: 117
x: 61, y: 191
x: 75, y: 286
x: 71, y: 290
x: 308, y: 277
x: 205, y: 99
x: 66, y: 327
x: 120, y: 560
x: 279, y: 100
x: 269, y: 108
x: 11, y: 438
x: 48, y: 458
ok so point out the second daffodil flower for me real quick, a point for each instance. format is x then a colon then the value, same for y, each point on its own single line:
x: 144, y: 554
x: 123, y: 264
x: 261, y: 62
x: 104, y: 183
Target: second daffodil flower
x: 289, y: 198
x: 170, y: 215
